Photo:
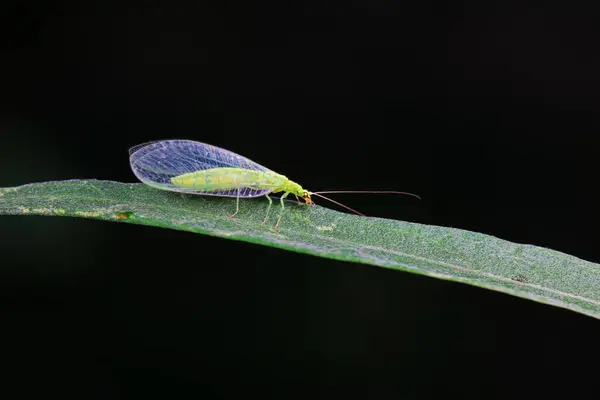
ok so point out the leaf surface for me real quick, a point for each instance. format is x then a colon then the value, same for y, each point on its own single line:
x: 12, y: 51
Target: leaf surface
x: 526, y: 271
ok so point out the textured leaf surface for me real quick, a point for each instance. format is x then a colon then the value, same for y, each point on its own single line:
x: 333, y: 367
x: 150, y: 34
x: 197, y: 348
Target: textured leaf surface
x: 526, y: 271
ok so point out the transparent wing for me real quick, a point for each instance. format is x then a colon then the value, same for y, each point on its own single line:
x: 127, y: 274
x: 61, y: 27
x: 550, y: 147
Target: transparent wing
x: 155, y: 163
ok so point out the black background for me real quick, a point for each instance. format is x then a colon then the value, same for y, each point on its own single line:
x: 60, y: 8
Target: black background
x: 488, y: 110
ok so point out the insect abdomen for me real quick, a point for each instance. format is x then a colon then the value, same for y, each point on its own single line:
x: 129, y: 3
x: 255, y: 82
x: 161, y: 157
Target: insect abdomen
x: 226, y: 179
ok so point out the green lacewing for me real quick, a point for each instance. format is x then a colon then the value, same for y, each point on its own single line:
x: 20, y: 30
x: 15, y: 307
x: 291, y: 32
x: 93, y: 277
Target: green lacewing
x: 192, y: 167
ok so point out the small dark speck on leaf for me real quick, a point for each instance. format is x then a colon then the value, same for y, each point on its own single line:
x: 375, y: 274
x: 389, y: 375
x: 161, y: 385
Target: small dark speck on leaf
x: 519, y: 278
x: 123, y: 215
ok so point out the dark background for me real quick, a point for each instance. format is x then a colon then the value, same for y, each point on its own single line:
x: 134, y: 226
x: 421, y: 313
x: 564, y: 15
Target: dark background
x: 488, y: 111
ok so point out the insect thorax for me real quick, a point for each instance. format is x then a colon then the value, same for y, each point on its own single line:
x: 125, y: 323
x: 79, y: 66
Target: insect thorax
x: 292, y: 187
x: 280, y: 183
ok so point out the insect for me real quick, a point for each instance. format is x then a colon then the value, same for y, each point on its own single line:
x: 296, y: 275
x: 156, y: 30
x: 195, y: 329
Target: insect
x: 192, y: 167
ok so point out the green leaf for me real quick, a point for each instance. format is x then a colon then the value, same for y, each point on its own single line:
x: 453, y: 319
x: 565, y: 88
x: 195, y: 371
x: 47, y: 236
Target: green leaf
x: 526, y: 271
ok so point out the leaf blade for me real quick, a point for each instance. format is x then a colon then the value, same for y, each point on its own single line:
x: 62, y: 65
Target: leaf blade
x: 526, y: 271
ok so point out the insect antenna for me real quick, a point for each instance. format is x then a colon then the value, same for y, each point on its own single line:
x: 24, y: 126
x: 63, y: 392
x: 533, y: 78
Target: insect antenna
x: 338, y: 203
x: 320, y: 194
x: 369, y: 191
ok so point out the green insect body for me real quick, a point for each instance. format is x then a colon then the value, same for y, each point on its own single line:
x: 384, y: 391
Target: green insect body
x: 236, y: 178
x: 217, y: 179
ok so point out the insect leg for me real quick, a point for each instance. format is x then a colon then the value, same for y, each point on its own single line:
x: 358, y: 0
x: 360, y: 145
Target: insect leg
x: 237, y: 205
x: 268, y: 208
x: 282, y: 208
